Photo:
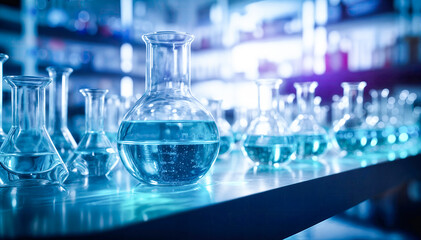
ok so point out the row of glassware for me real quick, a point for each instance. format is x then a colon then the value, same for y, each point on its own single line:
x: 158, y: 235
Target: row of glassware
x: 168, y: 137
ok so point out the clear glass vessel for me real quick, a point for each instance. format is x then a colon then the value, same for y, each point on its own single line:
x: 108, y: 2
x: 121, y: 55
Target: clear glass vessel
x: 94, y: 155
x: 112, y: 121
x: 225, y: 134
x: 241, y: 123
x: 3, y: 58
x: 28, y: 156
x: 168, y: 137
x: 311, y: 138
x: 268, y: 140
x: 57, y: 119
x: 351, y: 131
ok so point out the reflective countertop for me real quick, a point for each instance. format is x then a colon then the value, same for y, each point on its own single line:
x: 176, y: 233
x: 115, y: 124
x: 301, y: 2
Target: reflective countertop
x: 91, y: 205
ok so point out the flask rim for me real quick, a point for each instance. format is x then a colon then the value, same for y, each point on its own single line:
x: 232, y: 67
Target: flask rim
x: 21, y: 80
x: 168, y: 37
x: 59, y: 69
x: 95, y: 91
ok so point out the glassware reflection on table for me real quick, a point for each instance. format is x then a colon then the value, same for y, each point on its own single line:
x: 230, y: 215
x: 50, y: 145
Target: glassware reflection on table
x: 3, y: 59
x: 168, y: 137
x: 351, y: 131
x: 94, y: 155
x: 226, y: 137
x: 28, y: 156
x: 241, y: 123
x: 268, y: 140
x: 57, y: 118
x: 311, y: 138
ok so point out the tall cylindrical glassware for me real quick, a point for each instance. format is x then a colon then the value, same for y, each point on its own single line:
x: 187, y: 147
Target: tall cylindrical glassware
x: 3, y: 58
x: 57, y: 118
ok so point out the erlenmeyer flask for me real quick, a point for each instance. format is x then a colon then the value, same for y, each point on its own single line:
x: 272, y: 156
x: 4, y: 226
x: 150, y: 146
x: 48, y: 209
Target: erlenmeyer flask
x: 268, y: 140
x: 241, y: 123
x: 225, y: 134
x: 351, y: 131
x: 94, y: 155
x: 311, y: 138
x: 28, y: 155
x: 168, y: 137
x: 57, y: 119
x: 3, y: 58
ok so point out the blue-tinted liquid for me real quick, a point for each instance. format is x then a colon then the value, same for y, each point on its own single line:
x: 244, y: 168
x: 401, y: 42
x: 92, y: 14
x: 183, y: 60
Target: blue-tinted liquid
x: 310, y: 145
x: 354, y: 140
x: 168, y: 152
x: 238, y: 136
x: 226, y: 143
x: 269, y: 149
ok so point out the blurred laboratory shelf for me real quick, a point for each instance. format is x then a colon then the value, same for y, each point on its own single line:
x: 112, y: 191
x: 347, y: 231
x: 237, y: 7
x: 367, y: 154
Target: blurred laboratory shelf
x: 233, y: 201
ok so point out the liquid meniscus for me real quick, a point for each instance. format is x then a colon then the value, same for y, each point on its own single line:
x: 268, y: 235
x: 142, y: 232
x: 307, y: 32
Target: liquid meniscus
x: 269, y: 149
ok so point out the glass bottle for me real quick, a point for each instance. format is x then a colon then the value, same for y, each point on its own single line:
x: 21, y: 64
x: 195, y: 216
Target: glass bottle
x: 311, y: 138
x: 241, y: 123
x: 351, y: 131
x: 94, y: 155
x: 28, y: 156
x: 225, y: 134
x: 168, y: 137
x: 3, y: 58
x: 268, y: 140
x: 57, y: 119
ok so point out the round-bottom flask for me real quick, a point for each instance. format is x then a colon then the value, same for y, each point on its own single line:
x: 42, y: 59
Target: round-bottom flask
x: 28, y: 156
x: 168, y: 137
x: 312, y: 139
x: 225, y: 134
x: 94, y: 155
x: 268, y: 140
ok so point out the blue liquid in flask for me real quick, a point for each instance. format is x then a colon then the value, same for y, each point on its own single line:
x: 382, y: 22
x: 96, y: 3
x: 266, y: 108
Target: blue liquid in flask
x: 269, y: 149
x: 225, y: 144
x: 311, y: 145
x: 168, y: 152
x: 355, y: 140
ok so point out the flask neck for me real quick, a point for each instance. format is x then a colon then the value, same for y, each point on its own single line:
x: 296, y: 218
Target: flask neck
x: 268, y: 95
x: 1, y: 95
x: 94, y: 109
x: 58, y: 98
x: 168, y: 67
x: 305, y: 96
x: 28, y: 107
x: 353, y: 95
x: 215, y: 108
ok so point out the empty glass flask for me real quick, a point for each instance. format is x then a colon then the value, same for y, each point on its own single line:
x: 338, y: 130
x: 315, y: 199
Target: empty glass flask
x: 28, y: 156
x: 3, y: 58
x: 57, y: 119
x: 241, y: 123
x: 311, y: 137
x: 168, y: 137
x: 268, y: 140
x: 94, y: 155
x: 225, y: 134
x: 351, y: 131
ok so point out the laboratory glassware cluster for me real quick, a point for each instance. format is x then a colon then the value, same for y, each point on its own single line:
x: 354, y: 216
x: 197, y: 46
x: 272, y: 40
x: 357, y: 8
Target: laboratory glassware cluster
x: 169, y: 138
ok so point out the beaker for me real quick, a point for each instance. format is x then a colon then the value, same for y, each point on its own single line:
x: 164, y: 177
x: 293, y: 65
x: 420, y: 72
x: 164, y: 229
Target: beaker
x: 268, y: 140
x: 168, y: 137
x: 94, y: 155
x: 3, y: 58
x: 241, y: 123
x: 351, y: 131
x: 57, y: 119
x: 311, y: 138
x: 226, y: 137
x: 28, y: 155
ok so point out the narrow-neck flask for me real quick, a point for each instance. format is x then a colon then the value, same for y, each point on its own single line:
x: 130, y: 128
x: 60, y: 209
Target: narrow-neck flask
x: 268, y: 140
x: 241, y: 123
x: 168, y: 137
x: 57, y: 119
x: 225, y: 133
x: 94, y: 155
x: 351, y: 131
x: 3, y: 58
x: 28, y: 156
x: 311, y: 138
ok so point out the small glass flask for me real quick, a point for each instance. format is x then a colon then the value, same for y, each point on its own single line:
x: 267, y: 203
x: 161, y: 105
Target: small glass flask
x: 168, y: 137
x: 268, y: 140
x: 225, y: 134
x: 241, y: 123
x: 311, y: 138
x: 3, y: 58
x: 351, y: 131
x: 94, y: 155
x: 28, y: 156
x: 57, y: 119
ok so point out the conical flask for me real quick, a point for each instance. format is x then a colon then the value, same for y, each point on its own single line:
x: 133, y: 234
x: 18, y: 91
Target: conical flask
x: 94, y: 155
x: 168, y: 137
x: 268, y: 140
x: 311, y: 138
x: 57, y: 119
x: 28, y: 155
x: 3, y: 58
x: 225, y: 134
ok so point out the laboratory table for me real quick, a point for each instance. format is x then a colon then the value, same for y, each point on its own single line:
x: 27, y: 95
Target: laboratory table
x: 233, y: 201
